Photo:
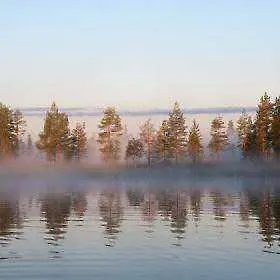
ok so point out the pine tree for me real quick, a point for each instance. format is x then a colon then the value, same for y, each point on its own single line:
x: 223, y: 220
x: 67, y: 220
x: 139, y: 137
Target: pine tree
x: 54, y: 138
x: 17, y: 130
x: 109, y: 135
x: 79, y: 141
x: 177, y: 133
x: 231, y: 147
x: 194, y: 144
x: 5, y: 118
x: 147, y: 136
x: 263, y: 126
x: 251, y: 147
x: 243, y: 125
x: 162, y: 142
x: 219, y: 138
x: 12, y: 130
x: 134, y: 149
x: 275, y: 128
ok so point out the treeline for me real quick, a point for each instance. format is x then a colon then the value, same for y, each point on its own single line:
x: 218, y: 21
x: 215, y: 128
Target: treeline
x: 173, y: 142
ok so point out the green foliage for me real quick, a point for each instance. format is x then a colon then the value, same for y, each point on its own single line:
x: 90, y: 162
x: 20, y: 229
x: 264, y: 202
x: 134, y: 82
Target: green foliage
x: 275, y: 128
x: 263, y: 126
x: 134, y: 149
x: 77, y: 143
x: 109, y: 135
x: 194, y: 144
x: 147, y: 136
x: 243, y: 129
x: 162, y: 142
x: 251, y: 141
x: 12, y: 128
x: 219, y: 138
x: 177, y: 133
x: 54, y: 138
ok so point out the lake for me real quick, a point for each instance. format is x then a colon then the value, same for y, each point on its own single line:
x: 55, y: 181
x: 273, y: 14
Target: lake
x: 120, y: 227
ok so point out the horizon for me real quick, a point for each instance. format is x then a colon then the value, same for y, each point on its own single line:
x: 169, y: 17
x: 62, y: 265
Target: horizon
x: 96, y: 111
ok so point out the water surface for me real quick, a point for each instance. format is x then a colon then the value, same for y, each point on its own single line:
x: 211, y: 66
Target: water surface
x: 140, y: 232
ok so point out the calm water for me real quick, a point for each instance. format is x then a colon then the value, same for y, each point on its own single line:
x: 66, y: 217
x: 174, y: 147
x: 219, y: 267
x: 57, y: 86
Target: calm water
x: 138, y: 231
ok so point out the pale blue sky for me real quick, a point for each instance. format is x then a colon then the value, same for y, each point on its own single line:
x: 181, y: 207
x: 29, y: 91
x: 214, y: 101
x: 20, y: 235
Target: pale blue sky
x: 139, y: 54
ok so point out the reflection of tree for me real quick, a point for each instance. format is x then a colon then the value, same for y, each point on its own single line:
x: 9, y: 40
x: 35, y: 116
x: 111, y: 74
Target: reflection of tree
x: 165, y: 204
x: 10, y: 220
x: 262, y: 205
x: 179, y: 214
x: 79, y: 203
x: 219, y: 202
x: 195, y: 198
x: 244, y: 210
x: 149, y: 209
x: 111, y: 212
x: 56, y: 211
x: 135, y: 197
x: 266, y: 219
x: 275, y: 203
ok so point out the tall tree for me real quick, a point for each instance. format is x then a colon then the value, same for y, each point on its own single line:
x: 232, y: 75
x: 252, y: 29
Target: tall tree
x: 5, y: 119
x: 177, y: 133
x: 147, y: 136
x: 54, y: 138
x: 134, y: 149
x: 275, y: 128
x: 109, y: 135
x: 17, y: 131
x: 194, y: 144
x: 250, y: 150
x: 243, y: 126
x: 12, y: 128
x: 263, y: 126
x: 162, y: 142
x: 231, y: 133
x: 79, y: 141
x: 219, y: 139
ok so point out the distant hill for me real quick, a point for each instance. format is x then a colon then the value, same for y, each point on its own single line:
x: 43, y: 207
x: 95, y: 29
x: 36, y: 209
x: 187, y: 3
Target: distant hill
x: 79, y: 111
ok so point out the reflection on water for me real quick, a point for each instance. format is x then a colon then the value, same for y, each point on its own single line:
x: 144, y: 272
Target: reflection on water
x: 111, y: 213
x: 200, y: 222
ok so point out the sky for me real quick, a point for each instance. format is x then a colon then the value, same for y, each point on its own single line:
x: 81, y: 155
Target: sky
x: 138, y: 54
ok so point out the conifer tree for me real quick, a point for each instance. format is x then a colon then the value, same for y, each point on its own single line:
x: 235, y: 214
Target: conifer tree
x: 17, y: 131
x: 219, y: 139
x: 79, y: 141
x: 134, y: 149
x: 162, y: 142
x: 263, y: 126
x: 109, y: 135
x: 147, y: 136
x: 194, y: 144
x: 54, y: 138
x: 12, y: 127
x: 177, y: 133
x: 251, y: 147
x: 275, y: 128
x: 5, y: 120
x: 243, y: 125
x: 231, y: 134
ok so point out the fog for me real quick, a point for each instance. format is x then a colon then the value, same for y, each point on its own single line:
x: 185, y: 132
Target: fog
x: 19, y: 176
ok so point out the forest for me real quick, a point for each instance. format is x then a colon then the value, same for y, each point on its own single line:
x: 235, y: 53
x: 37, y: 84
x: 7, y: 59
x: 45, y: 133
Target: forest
x: 258, y: 137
